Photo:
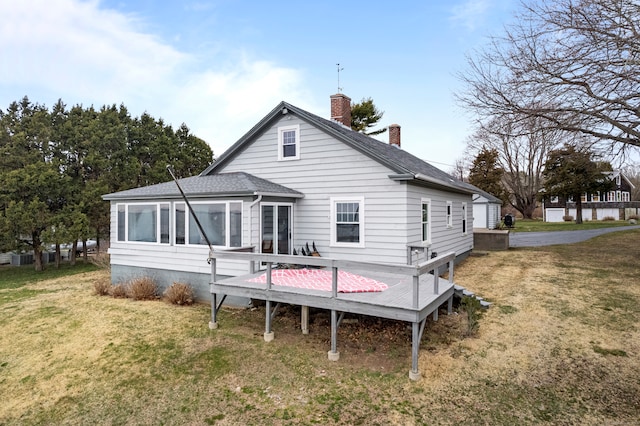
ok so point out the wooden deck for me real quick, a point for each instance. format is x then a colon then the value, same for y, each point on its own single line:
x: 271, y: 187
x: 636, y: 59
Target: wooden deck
x: 414, y: 292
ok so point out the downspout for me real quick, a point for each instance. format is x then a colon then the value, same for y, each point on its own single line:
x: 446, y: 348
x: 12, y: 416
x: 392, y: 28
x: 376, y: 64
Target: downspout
x: 256, y: 201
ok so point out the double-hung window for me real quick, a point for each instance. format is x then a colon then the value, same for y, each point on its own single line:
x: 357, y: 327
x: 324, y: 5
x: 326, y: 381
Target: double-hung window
x: 464, y: 218
x: 347, y: 222
x: 426, y: 220
x: 289, y: 143
x: 449, y: 214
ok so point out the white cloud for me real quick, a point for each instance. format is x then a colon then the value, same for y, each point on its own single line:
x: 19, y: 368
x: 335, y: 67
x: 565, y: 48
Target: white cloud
x: 470, y: 14
x: 82, y: 53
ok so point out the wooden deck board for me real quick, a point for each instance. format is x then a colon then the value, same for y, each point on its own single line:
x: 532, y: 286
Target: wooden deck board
x: 394, y: 302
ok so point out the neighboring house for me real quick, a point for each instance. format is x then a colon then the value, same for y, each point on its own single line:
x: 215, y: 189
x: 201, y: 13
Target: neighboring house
x: 486, y: 210
x: 615, y: 203
x: 294, y: 179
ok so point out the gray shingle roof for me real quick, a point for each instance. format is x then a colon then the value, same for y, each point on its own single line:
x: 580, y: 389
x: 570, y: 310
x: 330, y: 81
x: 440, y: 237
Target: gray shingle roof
x: 218, y: 185
x: 401, y: 162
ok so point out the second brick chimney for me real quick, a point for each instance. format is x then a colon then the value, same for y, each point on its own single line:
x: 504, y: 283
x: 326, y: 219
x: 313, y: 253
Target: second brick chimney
x: 394, y: 135
x: 341, y: 109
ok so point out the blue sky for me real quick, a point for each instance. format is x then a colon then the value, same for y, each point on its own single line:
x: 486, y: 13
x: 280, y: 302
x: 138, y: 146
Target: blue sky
x: 220, y: 66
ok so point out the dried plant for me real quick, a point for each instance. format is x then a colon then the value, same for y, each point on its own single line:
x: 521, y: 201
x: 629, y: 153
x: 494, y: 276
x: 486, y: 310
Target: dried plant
x: 143, y: 288
x: 119, y: 291
x: 179, y: 294
x: 102, y: 287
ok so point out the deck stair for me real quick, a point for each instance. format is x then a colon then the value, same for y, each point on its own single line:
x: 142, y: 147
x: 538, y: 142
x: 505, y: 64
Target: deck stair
x: 460, y: 292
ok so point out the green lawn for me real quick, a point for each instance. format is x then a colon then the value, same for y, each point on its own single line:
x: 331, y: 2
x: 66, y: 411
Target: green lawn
x: 528, y: 225
x: 18, y: 276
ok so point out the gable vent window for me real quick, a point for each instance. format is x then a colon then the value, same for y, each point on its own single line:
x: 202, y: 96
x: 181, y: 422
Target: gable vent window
x: 289, y: 143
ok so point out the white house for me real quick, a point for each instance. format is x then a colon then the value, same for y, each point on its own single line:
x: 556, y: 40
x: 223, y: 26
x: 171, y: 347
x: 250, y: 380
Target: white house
x: 294, y: 179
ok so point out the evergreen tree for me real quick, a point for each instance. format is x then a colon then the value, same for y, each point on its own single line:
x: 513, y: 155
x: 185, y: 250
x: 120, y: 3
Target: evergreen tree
x: 365, y: 115
x: 571, y: 173
x: 486, y: 173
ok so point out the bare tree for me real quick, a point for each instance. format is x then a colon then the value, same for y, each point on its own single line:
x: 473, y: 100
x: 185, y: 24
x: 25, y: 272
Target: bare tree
x: 573, y: 65
x: 522, y: 147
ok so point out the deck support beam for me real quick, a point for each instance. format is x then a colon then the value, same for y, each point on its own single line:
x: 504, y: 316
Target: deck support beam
x: 304, y: 320
x: 414, y: 373
x: 268, y: 334
x: 213, y: 324
x: 333, y: 354
x: 450, y: 305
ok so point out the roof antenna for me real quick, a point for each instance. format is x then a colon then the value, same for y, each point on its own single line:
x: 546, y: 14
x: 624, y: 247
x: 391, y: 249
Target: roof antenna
x: 339, y: 69
x: 204, y: 235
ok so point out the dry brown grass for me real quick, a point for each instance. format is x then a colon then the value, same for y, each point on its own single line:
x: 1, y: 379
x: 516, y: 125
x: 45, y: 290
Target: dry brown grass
x: 560, y: 345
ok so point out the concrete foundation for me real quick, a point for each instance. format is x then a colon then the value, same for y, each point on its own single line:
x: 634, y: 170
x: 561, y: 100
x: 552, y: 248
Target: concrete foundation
x: 490, y: 239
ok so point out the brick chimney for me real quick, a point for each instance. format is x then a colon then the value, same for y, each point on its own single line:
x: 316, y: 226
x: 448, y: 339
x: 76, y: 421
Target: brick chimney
x: 341, y: 109
x: 394, y: 135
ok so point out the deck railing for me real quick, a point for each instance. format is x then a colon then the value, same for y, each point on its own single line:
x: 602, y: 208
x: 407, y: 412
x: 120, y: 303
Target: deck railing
x: 433, y: 266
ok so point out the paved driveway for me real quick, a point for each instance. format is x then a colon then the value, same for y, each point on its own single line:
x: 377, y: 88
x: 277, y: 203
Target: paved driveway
x: 536, y: 239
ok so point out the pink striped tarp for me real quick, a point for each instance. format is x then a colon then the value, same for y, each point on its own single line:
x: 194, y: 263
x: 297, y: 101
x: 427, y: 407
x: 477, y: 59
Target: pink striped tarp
x: 320, y: 279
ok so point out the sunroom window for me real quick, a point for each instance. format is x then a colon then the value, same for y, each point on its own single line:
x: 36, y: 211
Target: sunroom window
x: 144, y: 223
x: 222, y: 223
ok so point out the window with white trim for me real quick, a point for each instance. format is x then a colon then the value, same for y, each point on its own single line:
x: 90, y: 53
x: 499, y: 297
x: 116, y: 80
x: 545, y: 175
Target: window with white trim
x: 626, y: 196
x: 464, y: 218
x: 426, y: 220
x: 553, y: 199
x: 449, y: 214
x: 221, y: 221
x: 143, y: 223
x: 347, y: 222
x: 289, y: 143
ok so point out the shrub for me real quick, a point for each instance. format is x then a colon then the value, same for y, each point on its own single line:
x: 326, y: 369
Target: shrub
x: 143, y: 288
x: 473, y: 308
x: 567, y: 218
x: 102, y: 287
x: 634, y: 217
x: 119, y: 291
x: 179, y: 294
x: 608, y: 218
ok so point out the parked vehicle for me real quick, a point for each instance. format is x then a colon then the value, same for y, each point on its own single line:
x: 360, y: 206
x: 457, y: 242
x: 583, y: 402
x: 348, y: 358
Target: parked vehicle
x: 91, y: 245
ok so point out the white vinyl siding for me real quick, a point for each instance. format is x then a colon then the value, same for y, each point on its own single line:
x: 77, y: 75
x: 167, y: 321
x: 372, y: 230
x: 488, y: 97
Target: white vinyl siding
x: 331, y: 169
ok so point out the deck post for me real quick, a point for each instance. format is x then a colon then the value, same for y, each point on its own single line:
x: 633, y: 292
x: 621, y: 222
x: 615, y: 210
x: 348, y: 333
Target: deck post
x: 436, y: 282
x: 304, y: 320
x: 451, y: 272
x: 333, y: 354
x: 268, y: 334
x: 450, y: 305
x: 334, y: 281
x: 268, y: 275
x: 414, y: 374
x: 213, y: 324
x: 416, y: 291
